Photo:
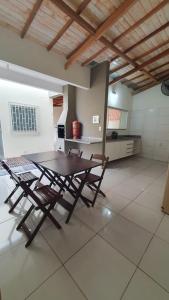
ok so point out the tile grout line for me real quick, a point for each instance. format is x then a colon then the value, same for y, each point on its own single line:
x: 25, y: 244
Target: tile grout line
x: 37, y: 288
x: 75, y: 282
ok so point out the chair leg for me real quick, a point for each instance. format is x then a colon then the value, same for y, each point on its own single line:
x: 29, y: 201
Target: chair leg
x: 46, y: 214
x: 11, y: 194
x: 32, y: 236
x: 16, y: 202
x: 103, y: 194
x: 25, y: 217
x: 97, y: 191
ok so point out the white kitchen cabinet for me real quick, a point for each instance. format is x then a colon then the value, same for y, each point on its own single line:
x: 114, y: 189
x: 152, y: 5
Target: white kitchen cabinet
x: 112, y: 150
x: 126, y: 148
x: 120, y: 149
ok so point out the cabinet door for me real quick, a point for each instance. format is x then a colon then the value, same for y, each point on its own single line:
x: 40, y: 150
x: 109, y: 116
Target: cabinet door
x: 112, y: 150
x: 126, y: 148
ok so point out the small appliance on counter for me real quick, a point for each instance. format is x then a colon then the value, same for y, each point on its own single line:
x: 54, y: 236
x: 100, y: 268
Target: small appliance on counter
x: 114, y: 135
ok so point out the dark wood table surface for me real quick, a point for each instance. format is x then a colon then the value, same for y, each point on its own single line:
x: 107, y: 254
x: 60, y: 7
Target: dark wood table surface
x: 44, y: 156
x: 69, y: 165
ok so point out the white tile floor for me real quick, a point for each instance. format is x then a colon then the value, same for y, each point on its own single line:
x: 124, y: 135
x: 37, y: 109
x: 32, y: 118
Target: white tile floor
x: 118, y: 250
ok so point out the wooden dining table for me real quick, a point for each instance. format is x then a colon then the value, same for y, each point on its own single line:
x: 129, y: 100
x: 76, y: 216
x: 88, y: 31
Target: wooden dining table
x: 60, y: 169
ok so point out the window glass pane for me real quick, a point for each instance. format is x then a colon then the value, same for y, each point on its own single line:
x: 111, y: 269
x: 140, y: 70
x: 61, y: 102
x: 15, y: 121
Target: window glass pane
x: 116, y: 118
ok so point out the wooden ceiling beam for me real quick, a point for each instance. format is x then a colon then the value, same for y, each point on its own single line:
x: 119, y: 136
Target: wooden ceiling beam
x: 147, y: 86
x: 114, y: 16
x: 131, y: 28
x: 90, y: 29
x: 31, y: 17
x: 80, y: 9
x: 146, y: 53
x: 83, y: 23
x: 91, y: 58
x: 142, y: 20
x: 138, y: 82
x: 140, y: 67
x: 149, y: 36
x: 159, y: 67
x: 157, y: 75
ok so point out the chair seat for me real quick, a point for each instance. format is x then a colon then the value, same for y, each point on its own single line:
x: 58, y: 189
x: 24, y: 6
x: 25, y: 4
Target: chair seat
x: 90, y: 177
x: 27, y: 177
x: 46, y: 194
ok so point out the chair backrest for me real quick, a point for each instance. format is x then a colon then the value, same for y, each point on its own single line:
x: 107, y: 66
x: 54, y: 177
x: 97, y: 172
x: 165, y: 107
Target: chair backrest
x: 103, y: 158
x: 32, y: 194
x: 75, y: 152
x: 15, y: 177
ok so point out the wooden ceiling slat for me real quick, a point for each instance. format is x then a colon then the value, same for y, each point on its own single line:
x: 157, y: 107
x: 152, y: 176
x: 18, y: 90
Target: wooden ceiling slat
x: 141, y: 56
x: 91, y: 58
x: 67, y: 25
x: 131, y: 28
x: 149, y: 36
x: 147, y: 86
x: 140, y: 67
x: 67, y: 10
x: 156, y: 68
x: 31, y: 17
x: 84, y: 24
x: 142, y: 20
x: 119, y: 12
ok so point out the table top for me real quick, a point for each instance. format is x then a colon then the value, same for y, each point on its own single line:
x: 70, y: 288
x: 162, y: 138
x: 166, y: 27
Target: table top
x: 44, y: 156
x: 69, y: 165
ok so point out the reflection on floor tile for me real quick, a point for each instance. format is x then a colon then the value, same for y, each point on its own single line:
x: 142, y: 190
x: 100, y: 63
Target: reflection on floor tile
x: 96, y: 217
x: 101, y: 247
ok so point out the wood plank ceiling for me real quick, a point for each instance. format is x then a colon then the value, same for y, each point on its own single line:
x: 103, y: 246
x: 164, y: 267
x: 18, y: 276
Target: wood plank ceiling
x: 132, y: 34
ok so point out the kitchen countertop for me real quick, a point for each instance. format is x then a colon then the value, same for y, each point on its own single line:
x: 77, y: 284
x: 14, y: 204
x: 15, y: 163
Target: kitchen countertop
x: 123, y: 138
x: 86, y: 140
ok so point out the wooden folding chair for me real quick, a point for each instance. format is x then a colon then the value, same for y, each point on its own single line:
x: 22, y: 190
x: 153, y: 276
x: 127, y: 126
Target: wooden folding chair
x: 75, y: 152
x: 93, y: 182
x: 42, y: 198
x: 26, y: 177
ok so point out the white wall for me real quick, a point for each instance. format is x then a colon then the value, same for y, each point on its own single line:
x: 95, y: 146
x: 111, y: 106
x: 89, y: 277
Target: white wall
x: 56, y: 114
x: 122, y: 100
x: 150, y: 118
x: 18, y: 144
x: 28, y: 54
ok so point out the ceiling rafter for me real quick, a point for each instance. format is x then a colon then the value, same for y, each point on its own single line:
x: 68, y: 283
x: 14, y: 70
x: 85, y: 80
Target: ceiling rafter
x: 157, y: 74
x: 70, y: 12
x: 114, y: 16
x: 159, y: 67
x: 80, y: 9
x: 131, y: 28
x: 140, y: 67
x: 81, y: 22
x: 31, y: 17
x: 147, y: 37
x: 141, y: 56
x: 147, y: 86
